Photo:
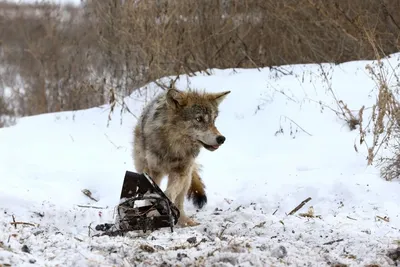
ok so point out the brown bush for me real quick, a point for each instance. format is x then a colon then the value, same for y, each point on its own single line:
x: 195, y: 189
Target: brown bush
x: 6, y: 113
x: 68, y: 58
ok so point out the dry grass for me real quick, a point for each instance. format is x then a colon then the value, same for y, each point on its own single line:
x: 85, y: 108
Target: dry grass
x: 6, y: 114
x: 390, y: 169
x: 69, y: 58
x: 384, y: 121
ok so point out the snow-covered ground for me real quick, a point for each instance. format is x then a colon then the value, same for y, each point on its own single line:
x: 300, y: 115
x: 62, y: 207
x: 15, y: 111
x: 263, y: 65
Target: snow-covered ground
x: 282, y: 147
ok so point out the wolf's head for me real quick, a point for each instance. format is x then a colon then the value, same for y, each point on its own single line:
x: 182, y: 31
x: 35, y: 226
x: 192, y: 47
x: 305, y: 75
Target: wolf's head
x: 194, y: 114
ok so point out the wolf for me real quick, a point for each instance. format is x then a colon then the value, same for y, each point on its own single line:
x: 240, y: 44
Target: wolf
x: 170, y: 132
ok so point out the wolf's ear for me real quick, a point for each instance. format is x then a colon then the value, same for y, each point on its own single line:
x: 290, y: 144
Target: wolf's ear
x: 175, y: 98
x: 218, y: 97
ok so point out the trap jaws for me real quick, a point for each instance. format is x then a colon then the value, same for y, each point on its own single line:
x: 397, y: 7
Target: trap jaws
x: 157, y: 212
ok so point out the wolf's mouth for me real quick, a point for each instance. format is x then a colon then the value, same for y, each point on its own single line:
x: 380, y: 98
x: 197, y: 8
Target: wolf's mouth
x: 209, y: 147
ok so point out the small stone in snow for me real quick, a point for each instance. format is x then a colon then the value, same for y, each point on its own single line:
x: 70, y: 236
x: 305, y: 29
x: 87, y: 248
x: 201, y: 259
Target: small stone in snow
x: 231, y: 260
x: 32, y: 261
x: 180, y: 256
x: 38, y: 232
x: 25, y: 249
x: 147, y: 248
x: 263, y: 247
x: 367, y: 231
x: 192, y: 240
x: 280, y: 252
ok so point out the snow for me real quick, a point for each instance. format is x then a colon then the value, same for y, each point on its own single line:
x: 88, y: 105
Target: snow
x: 282, y: 147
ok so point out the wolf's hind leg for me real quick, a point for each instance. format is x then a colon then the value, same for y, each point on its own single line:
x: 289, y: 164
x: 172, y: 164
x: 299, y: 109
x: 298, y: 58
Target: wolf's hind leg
x: 196, y: 191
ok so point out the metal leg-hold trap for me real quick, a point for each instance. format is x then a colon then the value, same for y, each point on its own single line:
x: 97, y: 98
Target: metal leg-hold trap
x: 156, y: 211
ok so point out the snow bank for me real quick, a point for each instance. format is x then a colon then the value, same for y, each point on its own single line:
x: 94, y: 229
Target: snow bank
x: 284, y: 144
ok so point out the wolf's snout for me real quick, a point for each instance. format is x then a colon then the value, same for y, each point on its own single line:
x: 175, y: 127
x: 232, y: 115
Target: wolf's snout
x: 220, y: 139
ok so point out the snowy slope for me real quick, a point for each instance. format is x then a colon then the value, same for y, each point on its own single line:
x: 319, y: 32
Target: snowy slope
x: 282, y: 147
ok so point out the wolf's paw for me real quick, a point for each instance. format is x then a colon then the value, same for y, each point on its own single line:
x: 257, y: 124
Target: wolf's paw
x: 185, y: 221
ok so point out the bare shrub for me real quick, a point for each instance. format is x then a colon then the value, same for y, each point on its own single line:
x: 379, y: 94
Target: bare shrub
x: 188, y: 36
x: 6, y: 113
x: 366, y: 29
x: 48, y: 59
x: 69, y: 58
x: 384, y: 121
x: 390, y: 165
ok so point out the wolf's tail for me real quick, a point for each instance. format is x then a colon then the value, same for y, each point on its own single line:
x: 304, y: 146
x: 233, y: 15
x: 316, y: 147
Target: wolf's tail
x: 196, y: 191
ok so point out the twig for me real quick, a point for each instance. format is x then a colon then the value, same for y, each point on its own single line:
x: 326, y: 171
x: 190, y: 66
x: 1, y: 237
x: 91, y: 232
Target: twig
x: 162, y: 86
x: 348, y: 217
x: 89, y: 194
x: 14, y: 221
x: 93, y: 207
x: 23, y: 223
x: 238, y: 208
x: 124, y: 105
x: 324, y: 105
x: 283, y: 93
x: 171, y: 85
x: 223, y: 230
x: 80, y: 240
x: 210, y: 254
x: 9, y: 237
x: 90, y: 228
x: 117, y: 147
x: 261, y: 224
x: 334, y: 241
x: 39, y: 214
x: 275, y: 211
x: 386, y: 219
x: 197, y: 244
x: 228, y: 201
x: 299, y: 206
x: 281, y: 71
x: 297, y: 125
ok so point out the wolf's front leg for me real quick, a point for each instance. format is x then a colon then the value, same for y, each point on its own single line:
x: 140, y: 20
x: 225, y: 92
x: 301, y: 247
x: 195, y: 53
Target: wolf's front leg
x: 184, y: 220
x: 178, y: 185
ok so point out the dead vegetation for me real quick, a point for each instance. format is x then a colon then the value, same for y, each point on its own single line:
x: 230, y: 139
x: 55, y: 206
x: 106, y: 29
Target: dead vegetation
x: 383, y: 122
x: 379, y: 128
x: 6, y: 112
x: 58, y: 58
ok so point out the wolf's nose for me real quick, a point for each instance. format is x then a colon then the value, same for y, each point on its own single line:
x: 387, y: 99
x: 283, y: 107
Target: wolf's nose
x: 220, y: 139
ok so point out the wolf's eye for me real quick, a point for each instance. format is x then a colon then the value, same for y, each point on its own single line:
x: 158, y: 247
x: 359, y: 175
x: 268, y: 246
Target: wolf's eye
x: 199, y: 119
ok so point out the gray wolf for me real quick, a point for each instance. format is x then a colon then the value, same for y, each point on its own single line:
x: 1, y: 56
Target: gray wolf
x: 168, y: 137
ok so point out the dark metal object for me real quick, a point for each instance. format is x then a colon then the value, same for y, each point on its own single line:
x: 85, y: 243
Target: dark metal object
x: 158, y: 212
